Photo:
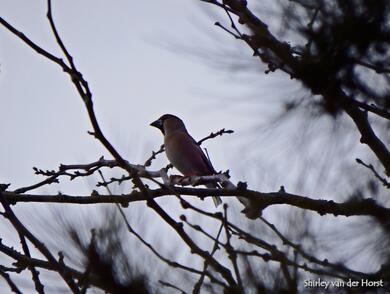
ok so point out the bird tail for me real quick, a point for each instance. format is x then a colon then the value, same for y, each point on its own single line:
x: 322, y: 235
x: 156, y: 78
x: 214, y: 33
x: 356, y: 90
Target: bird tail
x: 217, y: 200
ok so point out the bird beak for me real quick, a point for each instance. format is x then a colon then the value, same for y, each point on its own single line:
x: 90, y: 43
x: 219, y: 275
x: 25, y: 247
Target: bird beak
x: 158, y: 124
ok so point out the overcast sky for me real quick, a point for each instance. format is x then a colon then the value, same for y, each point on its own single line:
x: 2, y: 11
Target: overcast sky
x: 142, y: 59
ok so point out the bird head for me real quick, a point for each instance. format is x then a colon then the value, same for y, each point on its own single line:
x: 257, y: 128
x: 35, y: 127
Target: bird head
x: 168, y: 123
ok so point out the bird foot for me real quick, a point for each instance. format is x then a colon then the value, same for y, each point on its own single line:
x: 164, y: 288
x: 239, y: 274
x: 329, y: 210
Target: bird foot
x: 184, y: 180
x: 175, y: 179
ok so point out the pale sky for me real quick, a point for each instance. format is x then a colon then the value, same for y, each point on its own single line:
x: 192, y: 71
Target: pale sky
x: 142, y: 59
x: 130, y: 54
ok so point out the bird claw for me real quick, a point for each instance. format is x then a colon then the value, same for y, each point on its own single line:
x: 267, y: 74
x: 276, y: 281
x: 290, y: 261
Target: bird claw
x: 175, y: 179
x: 184, y: 180
x: 192, y: 180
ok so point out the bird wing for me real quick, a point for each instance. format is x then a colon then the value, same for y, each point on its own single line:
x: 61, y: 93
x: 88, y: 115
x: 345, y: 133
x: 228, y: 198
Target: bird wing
x: 204, y: 157
x: 185, y: 154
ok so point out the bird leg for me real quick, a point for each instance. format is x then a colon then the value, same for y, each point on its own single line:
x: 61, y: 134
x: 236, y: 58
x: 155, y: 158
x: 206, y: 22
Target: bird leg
x: 185, y: 180
x: 177, y: 180
x: 182, y: 181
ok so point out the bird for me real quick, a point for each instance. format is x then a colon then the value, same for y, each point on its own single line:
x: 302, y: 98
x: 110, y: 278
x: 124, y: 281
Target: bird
x: 183, y: 152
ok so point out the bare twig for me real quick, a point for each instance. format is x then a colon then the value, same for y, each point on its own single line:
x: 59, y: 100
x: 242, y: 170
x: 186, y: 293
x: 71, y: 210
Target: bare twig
x: 216, y: 134
x: 169, y: 285
x: 23, y: 261
x: 250, y: 238
x: 22, y: 230
x: 279, y: 55
x: 199, y: 283
x: 63, y: 170
x: 231, y: 250
x: 173, y: 264
x: 148, y: 162
x: 9, y: 281
x: 384, y: 182
x: 34, y: 272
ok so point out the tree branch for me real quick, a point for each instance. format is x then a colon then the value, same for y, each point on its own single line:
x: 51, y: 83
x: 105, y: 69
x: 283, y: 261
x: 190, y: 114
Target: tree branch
x: 258, y: 200
x: 22, y: 230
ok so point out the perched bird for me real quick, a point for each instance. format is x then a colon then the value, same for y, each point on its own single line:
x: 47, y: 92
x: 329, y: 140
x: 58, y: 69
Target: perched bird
x: 183, y: 151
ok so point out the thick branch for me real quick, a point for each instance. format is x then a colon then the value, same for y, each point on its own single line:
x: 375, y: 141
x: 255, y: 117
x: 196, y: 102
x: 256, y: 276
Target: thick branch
x: 9, y: 281
x: 279, y: 55
x: 258, y: 200
x: 360, y: 118
x: 22, y: 230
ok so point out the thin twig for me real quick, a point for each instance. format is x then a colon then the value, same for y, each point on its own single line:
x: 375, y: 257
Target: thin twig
x: 169, y: 285
x: 9, y: 281
x: 22, y: 230
x: 173, y: 264
x: 376, y: 174
x: 34, y: 272
x: 199, y: 283
x: 230, y: 249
